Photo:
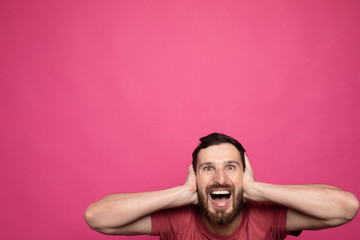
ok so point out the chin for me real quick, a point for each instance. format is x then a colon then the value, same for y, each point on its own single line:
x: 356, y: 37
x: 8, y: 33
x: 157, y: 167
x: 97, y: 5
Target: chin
x: 223, y: 213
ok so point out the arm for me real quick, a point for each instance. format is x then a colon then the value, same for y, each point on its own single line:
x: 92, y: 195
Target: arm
x: 309, y: 206
x: 129, y: 213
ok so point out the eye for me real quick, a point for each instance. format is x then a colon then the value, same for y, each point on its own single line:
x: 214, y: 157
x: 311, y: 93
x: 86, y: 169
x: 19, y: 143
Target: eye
x: 208, y: 168
x: 231, y: 167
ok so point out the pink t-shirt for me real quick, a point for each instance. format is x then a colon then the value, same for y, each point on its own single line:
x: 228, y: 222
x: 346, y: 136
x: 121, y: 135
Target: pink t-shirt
x: 259, y: 221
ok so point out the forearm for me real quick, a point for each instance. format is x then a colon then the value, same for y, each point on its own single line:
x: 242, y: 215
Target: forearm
x: 118, y: 210
x: 319, y: 201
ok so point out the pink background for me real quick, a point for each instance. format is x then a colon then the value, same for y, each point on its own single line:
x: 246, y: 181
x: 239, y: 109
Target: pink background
x: 99, y: 97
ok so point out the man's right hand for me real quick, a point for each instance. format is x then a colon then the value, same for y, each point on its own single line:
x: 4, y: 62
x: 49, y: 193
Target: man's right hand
x: 190, y: 185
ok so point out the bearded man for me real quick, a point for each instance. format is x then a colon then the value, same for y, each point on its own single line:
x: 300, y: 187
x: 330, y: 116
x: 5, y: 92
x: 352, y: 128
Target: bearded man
x: 221, y: 200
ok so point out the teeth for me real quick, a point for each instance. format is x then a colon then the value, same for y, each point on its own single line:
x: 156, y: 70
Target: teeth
x: 220, y: 192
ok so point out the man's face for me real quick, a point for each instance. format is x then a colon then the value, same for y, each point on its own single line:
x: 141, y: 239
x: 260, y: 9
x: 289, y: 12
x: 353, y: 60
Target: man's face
x: 219, y: 180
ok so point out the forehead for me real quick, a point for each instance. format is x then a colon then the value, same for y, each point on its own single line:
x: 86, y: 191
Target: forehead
x: 218, y: 154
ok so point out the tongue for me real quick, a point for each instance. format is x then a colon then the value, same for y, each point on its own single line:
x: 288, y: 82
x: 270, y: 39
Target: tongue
x: 220, y: 202
x: 222, y: 199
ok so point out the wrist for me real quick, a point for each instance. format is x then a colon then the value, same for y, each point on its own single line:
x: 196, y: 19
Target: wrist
x: 187, y: 195
x: 253, y: 192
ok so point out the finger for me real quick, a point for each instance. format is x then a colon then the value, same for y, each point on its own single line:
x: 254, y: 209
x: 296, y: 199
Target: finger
x: 247, y: 162
x: 191, y: 169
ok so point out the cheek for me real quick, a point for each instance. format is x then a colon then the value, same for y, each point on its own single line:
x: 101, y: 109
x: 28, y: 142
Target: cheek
x: 236, y: 180
x: 201, y: 184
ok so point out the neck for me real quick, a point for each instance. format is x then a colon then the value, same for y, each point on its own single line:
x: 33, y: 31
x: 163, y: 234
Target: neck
x: 222, y: 230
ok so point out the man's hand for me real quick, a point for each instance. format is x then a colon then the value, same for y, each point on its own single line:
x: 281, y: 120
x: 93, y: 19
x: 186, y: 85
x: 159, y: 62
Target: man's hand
x: 190, y: 185
x: 249, y: 184
x: 248, y: 179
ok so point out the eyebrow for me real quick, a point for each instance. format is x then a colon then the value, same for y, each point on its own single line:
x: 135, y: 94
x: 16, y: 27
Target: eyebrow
x: 226, y: 162
x: 232, y: 162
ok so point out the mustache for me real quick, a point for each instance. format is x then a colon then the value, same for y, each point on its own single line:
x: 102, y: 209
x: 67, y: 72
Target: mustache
x: 217, y: 186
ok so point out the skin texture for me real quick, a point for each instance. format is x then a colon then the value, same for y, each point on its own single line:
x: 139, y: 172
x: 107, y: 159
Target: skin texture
x: 309, y: 206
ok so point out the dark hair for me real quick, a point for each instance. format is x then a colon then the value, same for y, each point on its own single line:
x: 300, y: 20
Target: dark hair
x: 216, y: 139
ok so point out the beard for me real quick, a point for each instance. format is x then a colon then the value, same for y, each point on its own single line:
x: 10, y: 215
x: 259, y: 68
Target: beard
x: 220, y: 217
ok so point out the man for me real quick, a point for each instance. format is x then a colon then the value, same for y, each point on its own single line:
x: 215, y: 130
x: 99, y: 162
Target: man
x: 221, y: 200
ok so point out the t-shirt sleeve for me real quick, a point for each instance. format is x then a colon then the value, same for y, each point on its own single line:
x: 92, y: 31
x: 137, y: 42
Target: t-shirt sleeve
x: 278, y: 216
x: 166, y: 223
x: 160, y: 224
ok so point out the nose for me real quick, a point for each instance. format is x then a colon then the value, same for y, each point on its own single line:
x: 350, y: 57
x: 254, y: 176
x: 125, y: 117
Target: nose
x: 220, y: 177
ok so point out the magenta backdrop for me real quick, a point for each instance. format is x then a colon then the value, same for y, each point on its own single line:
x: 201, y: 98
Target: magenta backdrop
x: 99, y: 97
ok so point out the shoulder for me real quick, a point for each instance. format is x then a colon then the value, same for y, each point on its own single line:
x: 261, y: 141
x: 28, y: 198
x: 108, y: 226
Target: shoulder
x: 259, y: 209
x: 266, y: 215
x: 173, y: 220
x: 269, y: 217
x: 174, y: 213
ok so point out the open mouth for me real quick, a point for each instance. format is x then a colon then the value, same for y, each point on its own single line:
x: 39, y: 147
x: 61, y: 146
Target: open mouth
x: 220, y: 195
x: 220, y: 198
